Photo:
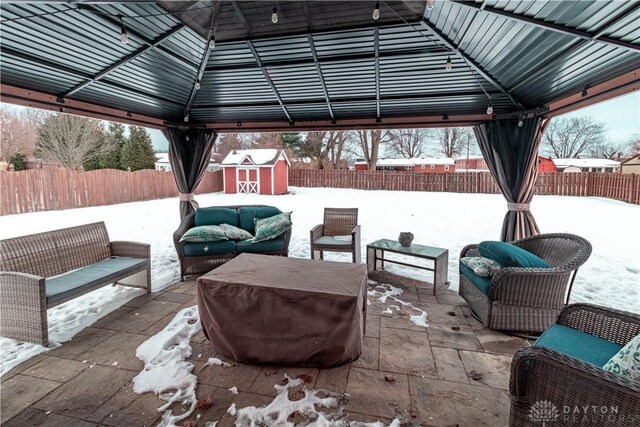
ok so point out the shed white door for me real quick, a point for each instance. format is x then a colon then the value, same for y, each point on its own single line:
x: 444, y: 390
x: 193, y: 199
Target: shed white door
x: 248, y: 180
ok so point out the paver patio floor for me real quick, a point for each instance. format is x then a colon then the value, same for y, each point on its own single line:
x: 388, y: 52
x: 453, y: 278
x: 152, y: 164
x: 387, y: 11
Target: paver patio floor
x: 422, y: 374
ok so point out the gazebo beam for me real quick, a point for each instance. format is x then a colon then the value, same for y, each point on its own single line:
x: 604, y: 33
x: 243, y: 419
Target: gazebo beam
x: 445, y: 40
x: 268, y: 79
x: 132, y: 31
x: 553, y: 27
x: 312, y: 46
x: 72, y: 71
x: 240, y: 14
x: 123, y: 61
x: 376, y: 51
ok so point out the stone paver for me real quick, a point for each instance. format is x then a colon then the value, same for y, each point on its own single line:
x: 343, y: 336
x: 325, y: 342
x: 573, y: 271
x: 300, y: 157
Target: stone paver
x: 141, y: 318
x: 496, y: 342
x: 370, y: 354
x: 449, y: 365
x: 82, y: 342
x: 119, y: 348
x: 406, y: 352
x: 453, y: 336
x: 269, y: 376
x: 373, y: 326
x: 127, y: 408
x: 372, y: 394
x: 56, y: 369
x: 495, y: 368
x: 333, y: 379
x: 239, y: 375
x: 20, y: 392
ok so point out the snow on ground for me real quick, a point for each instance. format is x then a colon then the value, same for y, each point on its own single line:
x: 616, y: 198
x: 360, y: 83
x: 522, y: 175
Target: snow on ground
x: 611, y: 277
x: 65, y: 321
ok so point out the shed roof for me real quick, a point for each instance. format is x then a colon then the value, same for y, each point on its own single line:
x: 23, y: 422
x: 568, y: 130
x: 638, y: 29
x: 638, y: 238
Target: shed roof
x: 260, y: 157
x: 324, y: 64
x: 586, y: 163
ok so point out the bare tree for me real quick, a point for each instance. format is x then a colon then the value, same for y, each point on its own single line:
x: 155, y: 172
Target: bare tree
x: 368, y: 144
x: 634, y: 145
x: 452, y: 141
x: 409, y: 143
x: 570, y: 137
x: 18, y: 130
x: 70, y: 140
x: 607, y: 150
x: 325, y: 148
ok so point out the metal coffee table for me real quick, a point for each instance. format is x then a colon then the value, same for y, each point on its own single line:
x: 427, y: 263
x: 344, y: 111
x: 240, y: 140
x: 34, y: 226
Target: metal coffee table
x: 440, y: 257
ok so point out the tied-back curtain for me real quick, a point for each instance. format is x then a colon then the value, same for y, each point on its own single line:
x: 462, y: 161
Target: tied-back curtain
x: 511, y: 153
x: 189, y: 154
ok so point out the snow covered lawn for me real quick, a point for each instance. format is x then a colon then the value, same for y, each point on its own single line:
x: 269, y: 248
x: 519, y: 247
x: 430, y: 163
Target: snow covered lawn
x: 611, y: 277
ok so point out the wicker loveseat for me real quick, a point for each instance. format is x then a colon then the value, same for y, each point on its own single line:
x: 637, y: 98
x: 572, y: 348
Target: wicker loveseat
x: 43, y: 270
x: 199, y: 258
x: 560, y: 378
x: 525, y: 299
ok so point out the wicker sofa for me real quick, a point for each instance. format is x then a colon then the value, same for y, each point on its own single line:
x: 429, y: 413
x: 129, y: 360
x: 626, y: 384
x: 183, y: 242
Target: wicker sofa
x: 43, y: 270
x: 563, y: 370
x: 526, y: 299
x: 200, y: 258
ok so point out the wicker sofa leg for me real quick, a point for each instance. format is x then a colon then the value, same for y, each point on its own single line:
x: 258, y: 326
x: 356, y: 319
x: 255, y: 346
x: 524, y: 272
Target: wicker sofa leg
x: 141, y: 279
x: 23, y: 304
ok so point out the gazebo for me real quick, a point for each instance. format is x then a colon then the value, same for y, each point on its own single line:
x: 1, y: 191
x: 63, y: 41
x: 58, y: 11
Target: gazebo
x: 195, y: 69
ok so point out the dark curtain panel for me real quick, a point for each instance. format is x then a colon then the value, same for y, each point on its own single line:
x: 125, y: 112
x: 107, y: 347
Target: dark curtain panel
x: 511, y: 153
x: 189, y: 154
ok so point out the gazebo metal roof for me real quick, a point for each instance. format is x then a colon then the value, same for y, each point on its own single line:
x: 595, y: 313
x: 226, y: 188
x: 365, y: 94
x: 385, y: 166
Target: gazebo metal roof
x: 324, y: 64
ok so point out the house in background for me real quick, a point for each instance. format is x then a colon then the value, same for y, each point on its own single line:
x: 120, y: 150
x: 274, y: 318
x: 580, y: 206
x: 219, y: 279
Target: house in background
x: 261, y: 171
x: 162, y: 162
x: 586, y: 165
x: 476, y: 164
x: 631, y: 165
x: 417, y: 165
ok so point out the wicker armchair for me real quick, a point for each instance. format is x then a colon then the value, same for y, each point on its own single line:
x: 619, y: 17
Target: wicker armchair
x: 337, y: 222
x: 528, y: 299
x: 540, y: 374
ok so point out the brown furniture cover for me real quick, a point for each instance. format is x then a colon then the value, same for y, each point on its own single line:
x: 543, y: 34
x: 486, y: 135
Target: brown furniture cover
x: 285, y: 311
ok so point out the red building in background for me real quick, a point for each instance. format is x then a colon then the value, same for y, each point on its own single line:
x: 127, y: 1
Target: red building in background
x: 423, y: 165
x: 545, y: 164
x: 264, y: 171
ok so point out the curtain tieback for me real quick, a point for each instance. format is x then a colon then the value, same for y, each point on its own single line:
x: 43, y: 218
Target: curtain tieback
x: 518, y: 207
x: 186, y: 197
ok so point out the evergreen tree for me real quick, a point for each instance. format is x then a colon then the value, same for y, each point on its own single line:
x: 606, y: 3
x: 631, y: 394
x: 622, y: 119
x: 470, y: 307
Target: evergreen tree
x: 116, y: 140
x: 294, y: 142
x: 137, y: 152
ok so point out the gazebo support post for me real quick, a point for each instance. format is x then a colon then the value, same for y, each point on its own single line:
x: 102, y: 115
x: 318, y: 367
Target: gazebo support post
x: 189, y: 154
x: 511, y: 153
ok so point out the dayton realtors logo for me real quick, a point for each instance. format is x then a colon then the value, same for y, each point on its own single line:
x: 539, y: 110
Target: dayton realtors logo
x: 543, y: 412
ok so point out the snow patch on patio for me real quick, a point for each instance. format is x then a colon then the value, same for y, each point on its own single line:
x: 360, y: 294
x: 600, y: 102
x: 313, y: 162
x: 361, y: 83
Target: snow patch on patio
x: 166, y: 372
x: 383, y: 291
x: 65, y: 321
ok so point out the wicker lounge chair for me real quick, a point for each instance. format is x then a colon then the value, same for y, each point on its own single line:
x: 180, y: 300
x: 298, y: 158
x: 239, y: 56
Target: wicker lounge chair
x: 542, y: 375
x: 332, y: 234
x: 528, y: 299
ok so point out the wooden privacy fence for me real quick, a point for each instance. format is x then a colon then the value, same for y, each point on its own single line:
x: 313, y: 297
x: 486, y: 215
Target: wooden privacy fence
x: 50, y: 189
x: 614, y: 186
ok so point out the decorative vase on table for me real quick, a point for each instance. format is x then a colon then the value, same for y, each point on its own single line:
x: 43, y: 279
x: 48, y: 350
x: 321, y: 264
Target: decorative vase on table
x: 405, y: 239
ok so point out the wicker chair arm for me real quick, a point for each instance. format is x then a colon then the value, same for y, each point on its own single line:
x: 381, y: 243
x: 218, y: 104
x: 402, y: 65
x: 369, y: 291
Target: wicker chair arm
x: 130, y: 249
x: 187, y: 223
x: 469, y: 250
x: 614, y: 325
x: 530, y: 287
x: 355, y: 233
x: 287, y: 239
x: 577, y: 376
x: 9, y: 278
x: 317, y: 232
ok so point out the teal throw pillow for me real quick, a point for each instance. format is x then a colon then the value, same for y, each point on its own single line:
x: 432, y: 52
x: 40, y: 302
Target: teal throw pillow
x: 481, y: 266
x: 272, y: 227
x: 508, y: 255
x: 204, y: 233
x: 235, y: 233
x: 627, y: 361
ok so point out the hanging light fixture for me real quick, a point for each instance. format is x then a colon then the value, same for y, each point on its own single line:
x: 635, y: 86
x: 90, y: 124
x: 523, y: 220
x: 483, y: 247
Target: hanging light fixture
x: 430, y: 4
x: 212, y: 42
x: 520, y: 121
x: 449, y: 65
x: 198, y: 85
x: 490, y: 108
x: 186, y: 118
x: 124, y: 36
x: 274, y: 15
x: 376, y: 11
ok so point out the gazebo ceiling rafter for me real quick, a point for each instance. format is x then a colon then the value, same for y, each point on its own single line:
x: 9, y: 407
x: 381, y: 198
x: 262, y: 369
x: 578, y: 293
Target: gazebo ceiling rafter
x: 84, y: 76
x: 473, y: 64
x: 265, y: 73
x: 376, y: 50
x: 312, y: 46
x: 562, y: 29
x: 127, y: 59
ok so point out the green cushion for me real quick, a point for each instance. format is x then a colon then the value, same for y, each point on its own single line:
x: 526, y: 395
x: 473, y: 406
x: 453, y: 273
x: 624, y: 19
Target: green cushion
x: 578, y: 344
x: 211, y: 248
x: 272, y: 245
x: 249, y: 213
x: 272, y: 227
x: 235, y: 233
x: 508, y: 255
x: 626, y: 362
x: 204, y: 233
x: 482, y: 283
x: 216, y: 216
x: 59, y: 287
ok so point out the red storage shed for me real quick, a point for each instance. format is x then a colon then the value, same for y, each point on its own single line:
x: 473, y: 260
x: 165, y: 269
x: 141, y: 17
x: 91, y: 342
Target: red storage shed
x: 264, y: 171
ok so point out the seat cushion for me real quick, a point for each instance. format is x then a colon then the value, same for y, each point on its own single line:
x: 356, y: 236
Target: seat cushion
x: 210, y: 248
x: 204, y: 233
x: 482, y: 283
x: 334, y: 240
x: 572, y: 342
x: 272, y: 245
x: 508, y: 255
x: 216, y: 216
x: 272, y: 227
x: 63, y: 285
x: 247, y: 214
